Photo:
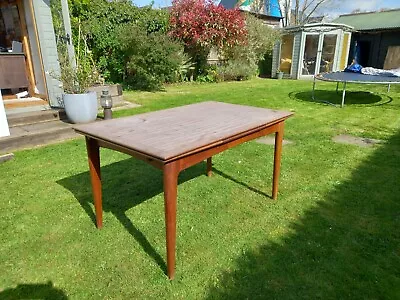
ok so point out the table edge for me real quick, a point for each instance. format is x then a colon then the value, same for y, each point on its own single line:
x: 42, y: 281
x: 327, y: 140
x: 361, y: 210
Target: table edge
x: 193, y: 151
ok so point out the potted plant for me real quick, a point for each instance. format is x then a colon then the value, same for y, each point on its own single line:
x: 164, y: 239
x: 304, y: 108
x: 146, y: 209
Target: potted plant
x: 279, y: 74
x: 80, y: 105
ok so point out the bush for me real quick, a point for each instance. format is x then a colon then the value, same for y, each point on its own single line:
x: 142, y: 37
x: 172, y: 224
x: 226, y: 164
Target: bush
x: 245, y: 59
x: 101, y: 23
x: 236, y: 69
x: 151, y: 59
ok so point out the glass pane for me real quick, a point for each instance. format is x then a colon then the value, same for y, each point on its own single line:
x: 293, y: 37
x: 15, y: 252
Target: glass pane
x: 328, y: 53
x: 286, y: 53
x: 310, y: 54
x: 10, y: 29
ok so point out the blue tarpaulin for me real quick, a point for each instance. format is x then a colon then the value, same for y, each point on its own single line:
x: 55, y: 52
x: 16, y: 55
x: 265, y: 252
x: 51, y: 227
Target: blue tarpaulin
x: 272, y: 8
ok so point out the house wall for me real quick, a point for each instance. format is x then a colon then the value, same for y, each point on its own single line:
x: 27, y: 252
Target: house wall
x: 48, y: 49
x: 296, y: 55
x: 275, y: 59
x: 374, y: 46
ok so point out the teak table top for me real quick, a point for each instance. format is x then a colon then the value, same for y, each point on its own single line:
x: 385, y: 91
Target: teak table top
x: 170, y: 133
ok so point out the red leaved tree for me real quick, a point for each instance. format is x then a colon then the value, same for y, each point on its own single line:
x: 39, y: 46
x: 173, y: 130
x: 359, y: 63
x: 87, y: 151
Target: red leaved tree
x: 202, y: 25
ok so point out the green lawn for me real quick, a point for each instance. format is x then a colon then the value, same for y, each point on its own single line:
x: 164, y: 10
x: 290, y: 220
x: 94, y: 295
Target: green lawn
x: 334, y: 232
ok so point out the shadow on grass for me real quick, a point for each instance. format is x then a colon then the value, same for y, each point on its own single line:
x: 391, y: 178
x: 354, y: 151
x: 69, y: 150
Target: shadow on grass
x: 216, y: 171
x: 33, y: 291
x: 125, y: 184
x: 352, y: 98
x: 346, y: 247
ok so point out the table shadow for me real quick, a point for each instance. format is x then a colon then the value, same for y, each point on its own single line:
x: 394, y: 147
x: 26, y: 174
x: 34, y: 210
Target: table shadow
x: 221, y: 173
x: 126, y: 184
x: 33, y: 291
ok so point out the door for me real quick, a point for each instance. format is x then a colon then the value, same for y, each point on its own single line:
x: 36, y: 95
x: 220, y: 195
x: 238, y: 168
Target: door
x: 327, y: 53
x: 319, y: 53
x: 14, y: 51
x: 310, y: 54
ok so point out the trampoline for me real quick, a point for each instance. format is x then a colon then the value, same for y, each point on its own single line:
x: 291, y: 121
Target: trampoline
x: 349, y: 77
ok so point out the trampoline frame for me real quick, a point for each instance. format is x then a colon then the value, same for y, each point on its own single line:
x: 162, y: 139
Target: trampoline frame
x: 320, y: 77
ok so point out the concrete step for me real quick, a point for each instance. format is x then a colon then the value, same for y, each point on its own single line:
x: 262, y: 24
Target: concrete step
x: 36, y: 134
x: 15, y: 119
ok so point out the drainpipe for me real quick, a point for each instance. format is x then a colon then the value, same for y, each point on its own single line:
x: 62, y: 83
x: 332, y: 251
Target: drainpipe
x: 68, y: 32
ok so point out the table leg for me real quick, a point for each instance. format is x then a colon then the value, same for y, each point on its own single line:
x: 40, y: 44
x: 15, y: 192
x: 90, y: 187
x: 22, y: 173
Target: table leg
x: 209, y: 166
x: 277, y: 160
x: 170, y: 194
x: 95, y: 176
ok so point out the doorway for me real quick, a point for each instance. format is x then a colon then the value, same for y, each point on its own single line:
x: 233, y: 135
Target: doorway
x: 318, y: 54
x: 16, y: 72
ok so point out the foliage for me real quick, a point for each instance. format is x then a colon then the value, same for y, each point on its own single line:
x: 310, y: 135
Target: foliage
x: 201, y: 25
x: 151, y: 59
x: 75, y: 80
x: 243, y: 61
x: 237, y: 69
x: 210, y: 74
x: 102, y: 22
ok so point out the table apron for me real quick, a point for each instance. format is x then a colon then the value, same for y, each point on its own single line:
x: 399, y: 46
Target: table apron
x: 147, y: 158
x: 190, y: 160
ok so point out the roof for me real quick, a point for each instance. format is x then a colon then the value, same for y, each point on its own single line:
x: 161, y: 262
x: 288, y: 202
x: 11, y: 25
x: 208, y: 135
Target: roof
x: 389, y: 19
x: 318, y: 27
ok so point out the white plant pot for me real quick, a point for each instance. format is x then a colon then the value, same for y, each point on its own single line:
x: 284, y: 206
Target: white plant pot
x: 81, y: 108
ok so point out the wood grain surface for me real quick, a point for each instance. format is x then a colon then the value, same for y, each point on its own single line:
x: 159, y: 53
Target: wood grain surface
x: 172, y: 132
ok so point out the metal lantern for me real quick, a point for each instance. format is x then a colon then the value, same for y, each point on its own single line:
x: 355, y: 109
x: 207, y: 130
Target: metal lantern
x: 106, y: 103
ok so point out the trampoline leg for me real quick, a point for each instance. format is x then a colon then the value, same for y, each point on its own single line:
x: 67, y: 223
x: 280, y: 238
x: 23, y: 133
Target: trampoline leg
x: 344, y: 93
x: 313, y: 88
x: 388, y: 88
x: 337, y: 87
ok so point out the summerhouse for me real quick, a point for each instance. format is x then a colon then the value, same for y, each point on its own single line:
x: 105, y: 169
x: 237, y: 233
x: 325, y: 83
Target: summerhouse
x: 311, y: 49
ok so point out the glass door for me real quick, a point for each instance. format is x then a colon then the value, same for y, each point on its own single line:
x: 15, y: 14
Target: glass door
x: 310, y: 55
x: 327, y: 53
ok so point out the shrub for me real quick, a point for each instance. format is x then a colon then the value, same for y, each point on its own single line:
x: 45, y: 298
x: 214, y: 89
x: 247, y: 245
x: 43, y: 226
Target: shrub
x: 151, y: 59
x: 201, y: 25
x: 102, y: 22
x: 236, y: 69
x: 260, y: 41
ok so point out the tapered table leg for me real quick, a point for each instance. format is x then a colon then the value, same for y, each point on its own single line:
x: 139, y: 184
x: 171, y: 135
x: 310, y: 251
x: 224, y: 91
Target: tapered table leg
x: 277, y: 160
x: 95, y: 177
x: 209, y: 166
x: 170, y: 194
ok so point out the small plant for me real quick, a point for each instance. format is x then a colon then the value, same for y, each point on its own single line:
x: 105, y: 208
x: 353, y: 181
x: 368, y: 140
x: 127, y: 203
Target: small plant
x: 77, y: 80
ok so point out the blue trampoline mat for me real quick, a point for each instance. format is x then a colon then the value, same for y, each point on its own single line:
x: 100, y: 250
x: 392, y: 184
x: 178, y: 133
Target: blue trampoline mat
x: 356, y: 78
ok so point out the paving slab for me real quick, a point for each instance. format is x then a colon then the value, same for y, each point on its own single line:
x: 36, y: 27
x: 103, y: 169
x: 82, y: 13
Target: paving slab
x: 270, y: 140
x: 355, y: 140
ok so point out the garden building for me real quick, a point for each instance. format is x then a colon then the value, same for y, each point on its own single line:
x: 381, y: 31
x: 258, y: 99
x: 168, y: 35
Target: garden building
x: 28, y: 51
x: 376, y: 41
x: 310, y: 49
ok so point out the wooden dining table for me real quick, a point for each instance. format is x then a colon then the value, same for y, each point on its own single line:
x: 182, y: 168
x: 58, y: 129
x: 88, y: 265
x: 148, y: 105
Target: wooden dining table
x: 178, y: 138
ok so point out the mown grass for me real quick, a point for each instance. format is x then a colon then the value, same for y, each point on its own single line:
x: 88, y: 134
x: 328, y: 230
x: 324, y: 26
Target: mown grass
x: 332, y: 234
